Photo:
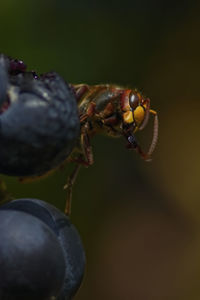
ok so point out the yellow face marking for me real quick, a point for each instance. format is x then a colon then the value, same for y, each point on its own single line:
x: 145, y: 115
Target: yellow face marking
x: 139, y: 114
x: 128, y: 117
x: 126, y: 107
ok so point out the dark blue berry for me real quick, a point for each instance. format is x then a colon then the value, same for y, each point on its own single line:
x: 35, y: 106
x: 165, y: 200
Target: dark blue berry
x: 39, y: 122
x: 32, y: 264
x: 67, y: 235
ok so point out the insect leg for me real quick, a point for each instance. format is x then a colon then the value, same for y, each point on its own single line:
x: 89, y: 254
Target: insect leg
x: 86, y: 146
x: 86, y: 159
x: 89, y: 113
x: 68, y: 186
x: 30, y: 179
x: 133, y: 144
x: 80, y: 90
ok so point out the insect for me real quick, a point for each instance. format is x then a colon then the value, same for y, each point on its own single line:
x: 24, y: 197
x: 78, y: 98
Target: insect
x: 46, y: 122
x: 112, y: 110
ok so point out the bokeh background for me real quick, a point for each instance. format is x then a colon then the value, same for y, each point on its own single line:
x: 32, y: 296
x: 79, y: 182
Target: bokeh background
x: 139, y: 222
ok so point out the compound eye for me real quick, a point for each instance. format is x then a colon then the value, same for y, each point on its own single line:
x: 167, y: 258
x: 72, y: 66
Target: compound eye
x: 134, y: 100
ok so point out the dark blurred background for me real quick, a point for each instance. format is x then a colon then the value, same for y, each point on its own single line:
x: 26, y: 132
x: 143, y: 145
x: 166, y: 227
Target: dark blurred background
x: 139, y: 222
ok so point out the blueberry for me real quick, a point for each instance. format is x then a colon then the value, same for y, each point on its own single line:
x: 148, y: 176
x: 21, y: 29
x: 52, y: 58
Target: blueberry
x: 67, y: 235
x: 39, y: 122
x: 32, y: 264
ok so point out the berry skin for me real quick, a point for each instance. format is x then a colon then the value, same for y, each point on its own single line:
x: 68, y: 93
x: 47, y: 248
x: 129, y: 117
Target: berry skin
x: 32, y: 264
x: 68, y: 238
x: 3, y: 79
x: 39, y: 122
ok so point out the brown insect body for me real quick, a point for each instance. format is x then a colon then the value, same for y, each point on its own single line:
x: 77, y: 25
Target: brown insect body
x: 100, y: 105
x: 111, y: 110
x: 114, y: 111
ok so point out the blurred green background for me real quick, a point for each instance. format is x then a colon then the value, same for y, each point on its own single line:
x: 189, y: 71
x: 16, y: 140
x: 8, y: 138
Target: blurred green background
x: 139, y: 222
